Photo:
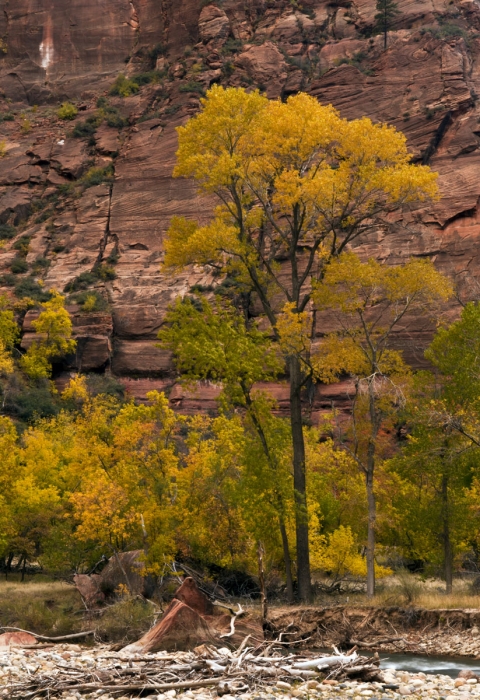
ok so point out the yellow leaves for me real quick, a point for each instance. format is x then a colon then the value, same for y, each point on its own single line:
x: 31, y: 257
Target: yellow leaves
x: 294, y: 331
x: 211, y: 144
x: 54, y: 328
x: 35, y: 363
x: 338, y: 355
x: 351, y: 285
x: 6, y: 360
x: 187, y: 243
x: 103, y: 512
x: 370, y: 300
x: 76, y: 390
x: 55, y: 325
x: 337, y: 554
x: 297, y: 165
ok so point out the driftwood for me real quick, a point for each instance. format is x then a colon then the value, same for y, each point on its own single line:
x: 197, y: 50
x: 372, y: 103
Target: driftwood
x: 63, y: 638
x: 248, y: 668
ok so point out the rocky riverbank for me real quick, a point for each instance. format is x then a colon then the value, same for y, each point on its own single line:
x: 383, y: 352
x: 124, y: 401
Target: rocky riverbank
x: 439, y: 632
x: 19, y: 666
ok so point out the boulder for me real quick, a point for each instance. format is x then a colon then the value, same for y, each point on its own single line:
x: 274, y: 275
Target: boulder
x: 266, y: 66
x: 213, y: 25
x: 466, y: 674
x: 17, y: 639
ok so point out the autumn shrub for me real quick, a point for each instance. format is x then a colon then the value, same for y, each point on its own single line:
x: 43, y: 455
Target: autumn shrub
x: 124, y: 87
x: 152, y: 76
x: 105, y: 272
x: 125, y: 621
x: 26, y: 125
x: 114, y: 119
x: 67, y: 111
x: 22, y: 244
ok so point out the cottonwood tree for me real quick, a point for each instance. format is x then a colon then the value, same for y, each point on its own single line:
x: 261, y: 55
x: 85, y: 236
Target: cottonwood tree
x: 294, y: 184
x: 214, y: 342
x: 438, y: 489
x: 53, y: 340
x: 372, y: 301
x: 446, y: 430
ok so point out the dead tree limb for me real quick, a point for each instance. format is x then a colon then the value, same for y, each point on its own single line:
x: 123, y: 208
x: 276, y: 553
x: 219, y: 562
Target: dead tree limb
x: 42, y: 638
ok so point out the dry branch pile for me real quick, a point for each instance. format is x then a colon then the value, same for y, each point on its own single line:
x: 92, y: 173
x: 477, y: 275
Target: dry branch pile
x: 246, y: 669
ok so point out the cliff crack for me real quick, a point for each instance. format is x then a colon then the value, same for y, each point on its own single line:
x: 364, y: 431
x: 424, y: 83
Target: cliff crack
x: 444, y: 125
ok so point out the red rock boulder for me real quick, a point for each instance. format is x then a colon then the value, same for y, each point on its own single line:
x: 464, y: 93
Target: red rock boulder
x: 17, y: 639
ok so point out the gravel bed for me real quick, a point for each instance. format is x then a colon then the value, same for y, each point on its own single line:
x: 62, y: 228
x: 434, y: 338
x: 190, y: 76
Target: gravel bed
x: 20, y: 665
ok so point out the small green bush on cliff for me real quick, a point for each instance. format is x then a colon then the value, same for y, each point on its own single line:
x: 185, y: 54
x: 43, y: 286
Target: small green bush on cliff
x: 67, y: 111
x: 124, y: 87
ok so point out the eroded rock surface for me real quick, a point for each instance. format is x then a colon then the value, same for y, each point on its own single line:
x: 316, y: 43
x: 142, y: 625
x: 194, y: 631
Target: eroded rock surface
x: 426, y: 84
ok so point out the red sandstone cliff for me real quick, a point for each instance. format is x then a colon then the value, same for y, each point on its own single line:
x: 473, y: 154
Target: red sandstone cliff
x: 426, y: 83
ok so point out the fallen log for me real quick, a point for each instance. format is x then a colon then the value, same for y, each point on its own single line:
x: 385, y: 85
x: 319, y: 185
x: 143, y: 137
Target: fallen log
x: 372, y: 645
x: 91, y: 687
x: 42, y: 638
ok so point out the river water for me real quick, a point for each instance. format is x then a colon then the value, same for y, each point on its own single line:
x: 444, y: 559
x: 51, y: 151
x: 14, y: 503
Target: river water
x: 413, y: 663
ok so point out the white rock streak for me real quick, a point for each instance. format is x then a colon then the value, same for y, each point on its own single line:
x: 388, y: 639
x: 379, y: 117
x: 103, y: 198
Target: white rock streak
x: 46, y: 46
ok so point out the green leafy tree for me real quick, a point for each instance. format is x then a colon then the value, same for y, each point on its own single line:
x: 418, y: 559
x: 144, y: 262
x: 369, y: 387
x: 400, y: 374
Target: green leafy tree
x: 387, y: 11
x: 436, y: 522
x: 214, y: 342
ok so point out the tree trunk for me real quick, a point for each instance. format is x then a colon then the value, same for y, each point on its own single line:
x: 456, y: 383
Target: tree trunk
x: 283, y: 532
x: 299, y: 482
x: 447, y: 542
x: 287, y: 561
x: 375, y: 422
x: 372, y: 516
x: 261, y: 581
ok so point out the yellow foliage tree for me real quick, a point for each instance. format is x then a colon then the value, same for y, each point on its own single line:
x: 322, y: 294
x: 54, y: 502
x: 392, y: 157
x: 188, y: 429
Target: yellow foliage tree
x: 54, y: 330
x: 295, y: 183
x: 371, y: 301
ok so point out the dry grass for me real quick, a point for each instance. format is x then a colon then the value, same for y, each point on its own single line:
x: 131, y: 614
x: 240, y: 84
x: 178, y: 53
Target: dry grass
x: 405, y: 589
x: 54, y: 608
x: 45, y: 607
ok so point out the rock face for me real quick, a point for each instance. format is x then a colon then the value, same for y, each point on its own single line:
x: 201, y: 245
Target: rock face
x: 426, y: 83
